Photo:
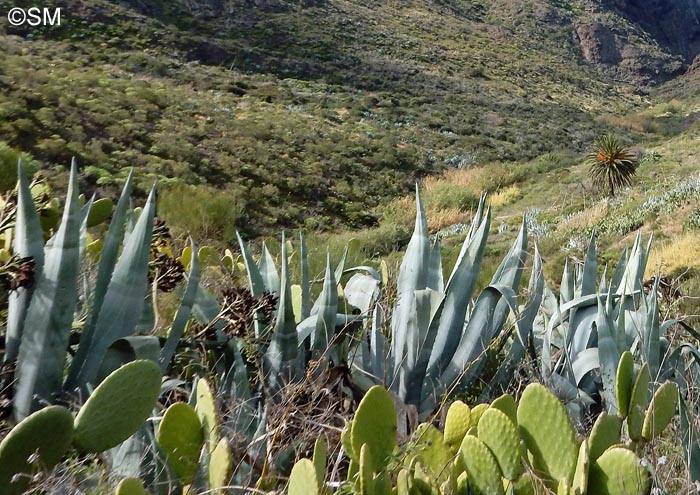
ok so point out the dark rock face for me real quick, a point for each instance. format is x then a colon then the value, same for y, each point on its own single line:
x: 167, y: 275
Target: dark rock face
x: 674, y: 24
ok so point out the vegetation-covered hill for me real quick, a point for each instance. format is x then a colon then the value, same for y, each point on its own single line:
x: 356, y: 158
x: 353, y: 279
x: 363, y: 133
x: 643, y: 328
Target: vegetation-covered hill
x: 312, y: 113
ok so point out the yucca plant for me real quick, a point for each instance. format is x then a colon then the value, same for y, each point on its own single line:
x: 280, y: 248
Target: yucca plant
x: 611, y: 164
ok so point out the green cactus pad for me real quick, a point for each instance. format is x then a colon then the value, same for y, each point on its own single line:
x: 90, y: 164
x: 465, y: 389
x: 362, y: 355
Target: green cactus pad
x: 580, y: 483
x: 382, y: 484
x: 506, y: 404
x: 118, y: 407
x: 618, y: 472
x: 605, y: 434
x: 547, y: 432
x: 366, y: 478
x: 462, y: 484
x: 638, y: 404
x: 303, y: 479
x: 432, y: 451
x: 375, y: 424
x: 47, y: 432
x: 220, y: 466
x: 500, y: 435
x: 403, y: 483
x: 130, y: 486
x: 477, y: 411
x: 100, y: 212
x: 320, y: 458
x: 661, y: 410
x: 346, y: 441
x: 525, y: 485
x: 206, y: 410
x: 482, y: 467
x: 180, y: 438
x: 624, y: 383
x: 457, y: 422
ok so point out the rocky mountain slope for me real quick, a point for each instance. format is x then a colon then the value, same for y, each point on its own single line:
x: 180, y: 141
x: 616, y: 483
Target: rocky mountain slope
x: 314, y: 112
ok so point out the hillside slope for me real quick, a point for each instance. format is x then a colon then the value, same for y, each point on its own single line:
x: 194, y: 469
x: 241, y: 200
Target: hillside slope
x: 313, y: 113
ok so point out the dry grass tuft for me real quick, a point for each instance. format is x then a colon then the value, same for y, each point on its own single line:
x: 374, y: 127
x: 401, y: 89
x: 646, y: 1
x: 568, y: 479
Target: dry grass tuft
x: 505, y: 196
x: 674, y: 256
x: 584, y: 219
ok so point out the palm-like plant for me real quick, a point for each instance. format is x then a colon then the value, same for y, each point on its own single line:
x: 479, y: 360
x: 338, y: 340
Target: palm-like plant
x: 612, y: 164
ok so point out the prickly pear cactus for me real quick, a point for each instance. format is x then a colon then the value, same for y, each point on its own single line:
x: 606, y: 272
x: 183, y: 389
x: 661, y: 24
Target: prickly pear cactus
x: 618, y: 472
x: 500, y: 435
x: 605, y: 434
x: 506, y: 404
x: 375, y: 424
x: 206, y: 410
x: 48, y: 432
x: 429, y: 447
x: 457, y: 422
x: 118, y: 406
x: 320, y: 458
x: 180, y: 437
x: 638, y: 404
x: 548, y: 434
x: 130, y: 486
x: 660, y: 411
x: 366, y: 478
x: 624, y: 383
x: 220, y: 466
x: 580, y: 482
x: 483, y: 473
x: 303, y: 480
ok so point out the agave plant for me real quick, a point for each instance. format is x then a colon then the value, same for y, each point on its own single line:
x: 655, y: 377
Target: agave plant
x: 612, y: 165
x: 41, y: 318
x: 439, y: 333
x: 593, y: 322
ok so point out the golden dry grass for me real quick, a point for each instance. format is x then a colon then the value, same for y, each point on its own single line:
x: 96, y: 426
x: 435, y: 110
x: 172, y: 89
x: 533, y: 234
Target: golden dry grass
x: 505, y: 196
x: 676, y: 255
x: 585, y: 218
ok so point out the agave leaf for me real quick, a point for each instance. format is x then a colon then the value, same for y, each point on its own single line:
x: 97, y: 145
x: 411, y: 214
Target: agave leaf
x: 28, y: 240
x: 108, y: 259
x: 85, y: 212
x: 177, y: 329
x: 590, y: 269
x: 282, y: 353
x: 305, y: 279
x: 691, y: 442
x: 125, y: 294
x: 650, y: 331
x: 435, y: 279
x: 327, y: 309
x: 257, y: 286
x: 268, y: 272
x: 458, y: 293
x: 42, y: 353
x: 608, y: 356
x: 413, y: 276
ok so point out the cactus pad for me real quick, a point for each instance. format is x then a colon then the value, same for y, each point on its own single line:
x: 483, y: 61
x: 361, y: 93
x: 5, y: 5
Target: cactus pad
x: 366, y: 477
x: 432, y: 451
x: 547, y: 432
x: 118, y: 407
x: 618, y: 472
x: 500, y: 435
x: 457, y: 422
x: 180, y: 438
x: 48, y: 432
x: 220, y: 466
x: 580, y: 483
x: 506, y: 404
x: 206, y: 410
x: 524, y: 485
x: 303, y: 479
x: 375, y: 424
x: 320, y: 458
x: 661, y: 410
x: 131, y: 486
x: 605, y: 434
x: 624, y: 383
x: 638, y: 404
x: 483, y: 472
